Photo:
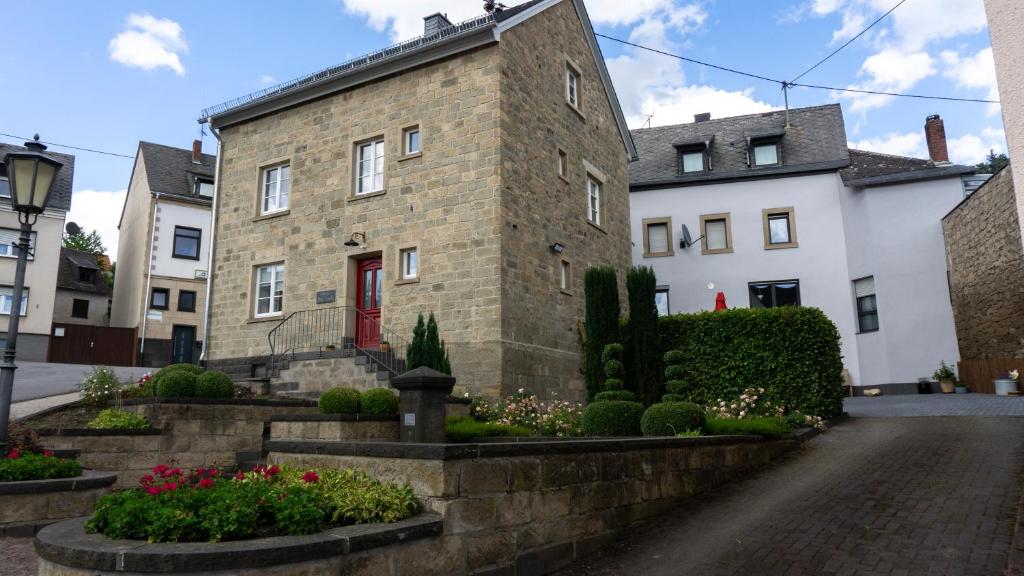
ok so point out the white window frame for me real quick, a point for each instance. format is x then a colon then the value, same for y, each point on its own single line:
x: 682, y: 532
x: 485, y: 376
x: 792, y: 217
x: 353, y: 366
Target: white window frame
x: 375, y: 165
x: 572, y: 85
x: 594, y: 199
x: 7, y: 297
x: 13, y: 235
x: 271, y: 190
x: 6, y: 188
x: 565, y: 276
x: 200, y: 183
x: 276, y: 275
x: 767, y: 144
x: 407, y: 134
x: 410, y: 268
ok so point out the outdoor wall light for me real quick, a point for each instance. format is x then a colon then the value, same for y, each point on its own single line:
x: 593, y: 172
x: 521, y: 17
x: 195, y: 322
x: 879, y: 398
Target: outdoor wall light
x: 352, y: 242
x: 557, y: 248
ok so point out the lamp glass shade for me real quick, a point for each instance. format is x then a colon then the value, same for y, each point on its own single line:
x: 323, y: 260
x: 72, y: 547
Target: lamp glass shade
x: 31, y: 179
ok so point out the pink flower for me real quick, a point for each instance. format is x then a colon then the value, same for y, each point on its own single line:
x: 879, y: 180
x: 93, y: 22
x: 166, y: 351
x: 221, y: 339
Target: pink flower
x: 146, y: 480
x: 160, y: 469
x: 239, y: 475
x: 48, y: 453
x: 205, y: 483
x: 172, y: 472
x: 14, y: 454
x: 200, y: 471
x: 153, y: 490
x: 170, y: 486
x: 310, y: 477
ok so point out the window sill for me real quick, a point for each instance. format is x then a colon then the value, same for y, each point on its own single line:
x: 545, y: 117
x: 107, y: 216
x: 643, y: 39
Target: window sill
x: 187, y: 311
x: 566, y: 292
x: 410, y: 156
x: 781, y: 246
x: 658, y: 254
x: 713, y: 252
x: 272, y: 215
x: 367, y: 196
x: 274, y: 318
x: 159, y: 309
x: 598, y: 226
x: 564, y: 178
x: 178, y: 257
x: 576, y: 110
x: 405, y: 281
x: 859, y: 332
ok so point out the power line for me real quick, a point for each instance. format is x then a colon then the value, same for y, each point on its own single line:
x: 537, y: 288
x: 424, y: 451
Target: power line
x: 94, y: 151
x: 848, y: 42
x: 879, y: 93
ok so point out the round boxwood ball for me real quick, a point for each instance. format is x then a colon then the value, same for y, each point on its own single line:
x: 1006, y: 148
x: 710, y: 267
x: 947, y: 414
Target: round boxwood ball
x: 615, y: 395
x: 674, y: 398
x: 176, y: 384
x: 612, y: 418
x: 671, y: 418
x: 340, y: 401
x: 378, y: 401
x: 214, y: 384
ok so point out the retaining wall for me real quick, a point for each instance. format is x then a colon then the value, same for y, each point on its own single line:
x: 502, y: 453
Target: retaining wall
x: 28, y: 505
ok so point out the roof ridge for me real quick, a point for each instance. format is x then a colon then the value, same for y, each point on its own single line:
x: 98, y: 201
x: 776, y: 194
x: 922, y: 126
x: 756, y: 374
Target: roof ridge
x: 752, y: 115
x: 887, y: 155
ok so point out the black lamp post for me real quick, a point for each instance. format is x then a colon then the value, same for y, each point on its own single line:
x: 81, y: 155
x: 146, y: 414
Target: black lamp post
x: 31, y: 175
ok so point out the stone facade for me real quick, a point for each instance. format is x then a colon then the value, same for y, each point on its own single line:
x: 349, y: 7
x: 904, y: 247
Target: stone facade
x: 335, y: 427
x: 985, y: 259
x: 481, y: 203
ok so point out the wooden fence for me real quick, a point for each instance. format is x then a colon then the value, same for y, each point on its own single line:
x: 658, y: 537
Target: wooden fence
x: 978, y: 374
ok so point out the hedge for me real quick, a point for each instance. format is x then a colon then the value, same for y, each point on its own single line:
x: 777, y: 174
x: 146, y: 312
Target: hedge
x: 612, y: 418
x: 792, y: 352
x: 378, y: 401
x: 176, y: 384
x: 340, y: 401
x: 671, y: 419
x: 214, y: 384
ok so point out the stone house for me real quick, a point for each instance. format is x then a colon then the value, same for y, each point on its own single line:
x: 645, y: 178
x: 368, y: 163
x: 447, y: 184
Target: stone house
x: 164, y: 237
x: 474, y: 172
x: 37, y: 303
x: 83, y: 296
x: 779, y: 211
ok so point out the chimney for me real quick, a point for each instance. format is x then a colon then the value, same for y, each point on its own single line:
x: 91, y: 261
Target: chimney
x: 702, y: 117
x: 435, y: 23
x: 197, y: 151
x: 935, y: 135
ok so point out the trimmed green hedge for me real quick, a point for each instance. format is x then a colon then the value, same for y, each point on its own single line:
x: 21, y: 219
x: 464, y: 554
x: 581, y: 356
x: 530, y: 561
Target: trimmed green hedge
x: 378, y: 401
x: 615, y: 395
x: 465, y: 428
x: 612, y: 418
x: 340, y: 401
x: 766, y: 426
x: 671, y: 418
x: 176, y: 384
x: 214, y: 384
x: 792, y: 352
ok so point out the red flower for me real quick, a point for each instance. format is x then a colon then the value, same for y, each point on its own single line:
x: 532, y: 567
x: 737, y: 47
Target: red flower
x: 153, y: 490
x: 214, y: 472
x: 172, y: 472
x: 310, y: 477
x: 274, y: 470
x: 160, y: 469
x: 240, y: 475
x: 146, y: 480
x: 48, y: 453
x: 200, y: 471
x: 14, y: 454
x: 205, y: 483
x: 170, y: 486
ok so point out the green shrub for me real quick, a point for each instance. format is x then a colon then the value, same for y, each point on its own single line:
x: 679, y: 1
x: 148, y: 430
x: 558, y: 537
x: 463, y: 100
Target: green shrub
x: 671, y: 418
x: 18, y: 466
x: 673, y: 398
x: 464, y: 428
x: 766, y: 426
x: 791, y: 352
x: 378, y: 401
x: 615, y: 395
x: 612, y: 418
x: 114, y: 419
x: 176, y: 384
x: 340, y: 401
x: 173, y: 369
x: 614, y: 370
x: 642, y: 356
x: 601, y: 289
x: 214, y: 384
x: 674, y: 374
x: 100, y: 386
x: 427, y: 348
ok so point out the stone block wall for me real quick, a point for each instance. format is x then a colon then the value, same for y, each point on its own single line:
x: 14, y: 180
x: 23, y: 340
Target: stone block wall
x: 326, y: 373
x: 335, y: 427
x: 27, y: 505
x: 985, y: 262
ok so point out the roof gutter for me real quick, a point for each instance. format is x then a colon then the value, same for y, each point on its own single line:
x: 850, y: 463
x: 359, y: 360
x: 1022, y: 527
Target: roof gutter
x: 213, y: 244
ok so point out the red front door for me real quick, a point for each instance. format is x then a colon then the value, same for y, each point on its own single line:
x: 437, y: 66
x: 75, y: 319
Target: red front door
x: 371, y: 279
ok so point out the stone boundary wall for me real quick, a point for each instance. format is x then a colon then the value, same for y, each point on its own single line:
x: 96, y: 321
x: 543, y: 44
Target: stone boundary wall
x: 334, y: 427
x: 27, y: 505
x: 534, y: 507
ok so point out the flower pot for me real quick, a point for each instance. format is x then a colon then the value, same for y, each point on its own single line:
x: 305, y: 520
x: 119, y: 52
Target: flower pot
x: 946, y: 386
x: 961, y: 389
x: 385, y: 347
x: 1004, y: 386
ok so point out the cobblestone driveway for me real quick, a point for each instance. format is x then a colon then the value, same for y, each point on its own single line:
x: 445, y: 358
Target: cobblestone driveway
x: 874, y: 496
x: 936, y: 405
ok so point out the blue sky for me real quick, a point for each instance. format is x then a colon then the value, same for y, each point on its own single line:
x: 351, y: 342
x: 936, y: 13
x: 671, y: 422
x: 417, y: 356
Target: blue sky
x: 105, y: 75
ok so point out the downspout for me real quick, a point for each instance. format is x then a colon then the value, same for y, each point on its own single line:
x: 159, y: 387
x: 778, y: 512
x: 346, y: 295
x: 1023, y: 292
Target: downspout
x: 149, y: 279
x: 213, y: 241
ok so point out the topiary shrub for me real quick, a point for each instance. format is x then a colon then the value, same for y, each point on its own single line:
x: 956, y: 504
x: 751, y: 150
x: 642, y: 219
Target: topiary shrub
x: 601, y: 324
x: 340, y: 401
x: 671, y: 418
x: 642, y: 355
x: 674, y: 374
x: 378, y: 401
x: 612, y: 418
x: 614, y: 370
x: 673, y: 398
x: 214, y: 384
x: 172, y: 369
x: 615, y: 395
x: 792, y: 352
x: 176, y: 384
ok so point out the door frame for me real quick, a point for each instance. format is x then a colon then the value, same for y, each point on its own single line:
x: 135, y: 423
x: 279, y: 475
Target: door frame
x: 174, y: 340
x: 373, y: 263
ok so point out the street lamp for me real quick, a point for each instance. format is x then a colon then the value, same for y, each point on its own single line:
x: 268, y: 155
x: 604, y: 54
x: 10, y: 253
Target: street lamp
x: 31, y: 175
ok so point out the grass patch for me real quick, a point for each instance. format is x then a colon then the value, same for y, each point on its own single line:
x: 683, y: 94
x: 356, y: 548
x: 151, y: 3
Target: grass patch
x: 465, y: 428
x: 759, y: 426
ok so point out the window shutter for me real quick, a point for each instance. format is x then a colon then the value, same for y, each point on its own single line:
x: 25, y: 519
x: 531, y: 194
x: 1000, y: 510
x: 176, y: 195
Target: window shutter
x: 657, y: 238
x: 714, y: 232
x: 864, y: 286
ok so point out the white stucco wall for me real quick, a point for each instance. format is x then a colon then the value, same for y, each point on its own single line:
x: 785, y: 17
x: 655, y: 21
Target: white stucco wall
x: 1005, y: 22
x: 819, y: 263
x: 169, y: 215
x: 40, y: 272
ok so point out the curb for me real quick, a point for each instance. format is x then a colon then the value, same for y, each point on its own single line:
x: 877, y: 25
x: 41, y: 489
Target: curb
x: 1015, y: 561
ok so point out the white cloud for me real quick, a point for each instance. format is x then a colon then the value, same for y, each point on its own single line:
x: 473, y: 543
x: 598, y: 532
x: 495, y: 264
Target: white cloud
x: 890, y: 70
x: 908, y: 144
x: 149, y: 43
x: 98, y: 210
x: 267, y: 79
x: 978, y: 71
x: 972, y: 149
x: 914, y: 25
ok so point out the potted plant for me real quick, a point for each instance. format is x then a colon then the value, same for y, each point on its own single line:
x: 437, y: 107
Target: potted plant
x: 385, y: 346
x: 1006, y: 384
x: 960, y: 388
x: 946, y: 378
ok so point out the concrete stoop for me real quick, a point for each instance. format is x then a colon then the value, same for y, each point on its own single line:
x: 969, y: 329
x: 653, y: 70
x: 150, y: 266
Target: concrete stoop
x: 308, y: 378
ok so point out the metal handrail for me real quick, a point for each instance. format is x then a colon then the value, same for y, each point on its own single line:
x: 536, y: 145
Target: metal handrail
x: 391, y: 357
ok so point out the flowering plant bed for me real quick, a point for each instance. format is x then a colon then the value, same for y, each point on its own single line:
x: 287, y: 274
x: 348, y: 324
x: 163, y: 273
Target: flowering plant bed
x: 18, y: 466
x: 173, y: 505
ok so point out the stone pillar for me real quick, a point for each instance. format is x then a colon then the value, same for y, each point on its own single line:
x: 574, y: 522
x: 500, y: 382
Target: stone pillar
x: 421, y: 400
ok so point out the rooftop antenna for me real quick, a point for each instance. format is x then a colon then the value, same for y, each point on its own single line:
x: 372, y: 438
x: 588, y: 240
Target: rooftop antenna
x: 647, y: 123
x: 493, y: 7
x: 785, y: 95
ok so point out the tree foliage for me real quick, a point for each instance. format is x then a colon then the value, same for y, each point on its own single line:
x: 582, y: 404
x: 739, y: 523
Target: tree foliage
x: 91, y: 242
x: 602, y: 323
x: 427, y: 348
x: 993, y: 163
x: 643, y: 355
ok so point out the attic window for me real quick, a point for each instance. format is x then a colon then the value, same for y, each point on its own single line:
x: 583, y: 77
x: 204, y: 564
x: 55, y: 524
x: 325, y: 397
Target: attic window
x: 765, y: 152
x: 86, y: 275
x: 204, y: 188
x: 5, y: 187
x: 693, y: 159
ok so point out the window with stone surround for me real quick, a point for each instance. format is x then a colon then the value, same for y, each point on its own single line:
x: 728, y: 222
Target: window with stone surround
x: 657, y: 237
x: 593, y: 200
x: 186, y: 301
x: 565, y: 276
x: 779, y: 228
x: 717, y: 232
x: 409, y: 263
x: 572, y: 85
x: 269, y: 284
x: 274, y: 189
x: 80, y: 308
x: 370, y: 167
x: 411, y: 145
x: 563, y: 164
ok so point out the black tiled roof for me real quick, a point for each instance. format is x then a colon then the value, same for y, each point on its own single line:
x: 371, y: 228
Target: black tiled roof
x: 815, y: 140
x: 60, y: 196
x: 67, y: 272
x: 502, y: 15
x: 171, y: 171
x: 874, y: 168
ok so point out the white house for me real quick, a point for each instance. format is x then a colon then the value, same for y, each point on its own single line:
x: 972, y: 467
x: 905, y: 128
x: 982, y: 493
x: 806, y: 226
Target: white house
x: 785, y: 214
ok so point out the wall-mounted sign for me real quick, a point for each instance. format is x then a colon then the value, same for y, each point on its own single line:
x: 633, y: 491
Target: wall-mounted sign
x: 58, y: 332
x: 201, y: 274
x: 409, y: 419
x: 326, y: 297
x: 154, y: 315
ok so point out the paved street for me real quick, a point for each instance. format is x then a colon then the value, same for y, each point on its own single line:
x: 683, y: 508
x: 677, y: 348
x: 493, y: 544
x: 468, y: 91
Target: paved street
x: 873, y: 496
x: 41, y: 379
x: 936, y: 405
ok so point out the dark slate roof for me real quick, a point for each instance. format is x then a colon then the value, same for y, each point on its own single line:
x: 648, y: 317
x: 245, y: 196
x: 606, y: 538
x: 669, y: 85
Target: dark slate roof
x: 874, y: 169
x: 814, y: 141
x: 170, y: 170
x: 502, y: 15
x: 67, y: 272
x: 60, y: 196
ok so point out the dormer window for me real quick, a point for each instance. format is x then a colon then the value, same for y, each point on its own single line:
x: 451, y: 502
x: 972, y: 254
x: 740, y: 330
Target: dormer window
x: 765, y: 153
x: 204, y: 188
x: 5, y: 187
x: 86, y: 275
x: 693, y: 155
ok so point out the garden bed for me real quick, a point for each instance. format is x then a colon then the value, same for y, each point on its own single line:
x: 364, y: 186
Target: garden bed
x: 27, y: 505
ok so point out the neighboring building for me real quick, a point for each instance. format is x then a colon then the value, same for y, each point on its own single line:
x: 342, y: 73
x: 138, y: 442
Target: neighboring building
x: 165, y: 223
x: 788, y: 215
x: 475, y: 172
x: 41, y: 273
x: 1005, y: 22
x: 83, y: 296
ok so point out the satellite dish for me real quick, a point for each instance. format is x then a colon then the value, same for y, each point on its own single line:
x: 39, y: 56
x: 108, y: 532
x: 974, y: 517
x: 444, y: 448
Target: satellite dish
x: 72, y: 229
x: 686, y: 240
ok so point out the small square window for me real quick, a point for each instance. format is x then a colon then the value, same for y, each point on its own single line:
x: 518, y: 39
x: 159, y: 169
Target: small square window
x: 765, y: 154
x: 159, y: 298
x: 563, y: 164
x: 186, y: 242
x: 411, y: 141
x: 9, y: 237
x: 87, y: 275
x: 565, y: 276
x: 657, y: 237
x: 661, y: 300
x: 204, y: 188
x: 572, y: 86
x: 593, y: 200
x: 410, y: 263
x: 274, y: 187
x: 779, y: 228
x: 80, y: 308
x: 186, y: 301
x: 692, y: 161
x: 717, y: 232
